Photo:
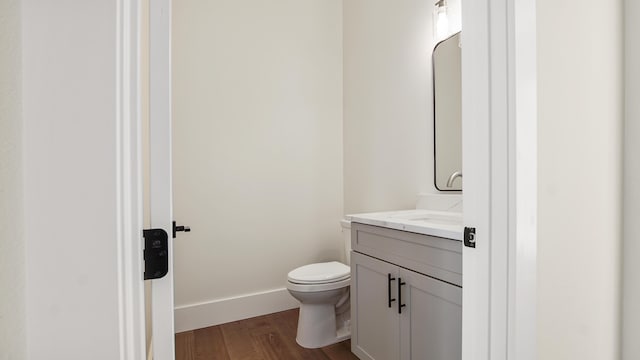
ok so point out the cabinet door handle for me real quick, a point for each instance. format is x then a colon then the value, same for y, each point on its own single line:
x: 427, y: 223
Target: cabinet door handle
x: 389, y: 280
x: 400, y: 304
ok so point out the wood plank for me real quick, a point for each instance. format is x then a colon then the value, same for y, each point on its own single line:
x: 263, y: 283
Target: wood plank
x: 239, y: 341
x: 268, y: 340
x: 265, y: 337
x: 286, y: 322
x: 340, y: 351
x: 210, y: 345
x: 272, y: 347
x: 185, y: 346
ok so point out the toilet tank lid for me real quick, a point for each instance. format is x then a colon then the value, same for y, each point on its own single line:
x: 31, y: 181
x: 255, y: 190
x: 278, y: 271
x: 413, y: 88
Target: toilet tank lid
x: 319, y: 273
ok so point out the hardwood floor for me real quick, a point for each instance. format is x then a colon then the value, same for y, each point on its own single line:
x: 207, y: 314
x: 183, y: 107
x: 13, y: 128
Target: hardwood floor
x: 268, y: 337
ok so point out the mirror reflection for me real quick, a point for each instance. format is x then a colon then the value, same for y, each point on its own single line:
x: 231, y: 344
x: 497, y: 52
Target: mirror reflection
x: 447, y: 94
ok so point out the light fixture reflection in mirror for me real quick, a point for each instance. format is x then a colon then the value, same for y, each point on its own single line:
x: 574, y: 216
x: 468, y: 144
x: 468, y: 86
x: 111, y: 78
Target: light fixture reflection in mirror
x: 441, y: 20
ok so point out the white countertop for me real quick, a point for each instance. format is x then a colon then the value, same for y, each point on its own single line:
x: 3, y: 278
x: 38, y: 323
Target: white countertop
x: 443, y: 224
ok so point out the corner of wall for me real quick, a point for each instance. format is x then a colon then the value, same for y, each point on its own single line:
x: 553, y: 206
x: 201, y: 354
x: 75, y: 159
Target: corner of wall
x: 631, y: 194
x: 12, y: 247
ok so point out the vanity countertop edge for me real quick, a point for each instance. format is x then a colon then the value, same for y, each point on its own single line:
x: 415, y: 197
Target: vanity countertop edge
x: 415, y: 221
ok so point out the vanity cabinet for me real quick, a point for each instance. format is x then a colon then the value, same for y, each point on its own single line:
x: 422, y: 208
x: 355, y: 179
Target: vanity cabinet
x: 399, y: 313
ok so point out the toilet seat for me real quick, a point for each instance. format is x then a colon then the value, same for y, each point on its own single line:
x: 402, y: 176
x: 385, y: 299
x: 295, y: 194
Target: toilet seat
x: 320, y: 273
x: 309, y: 288
x: 319, y: 277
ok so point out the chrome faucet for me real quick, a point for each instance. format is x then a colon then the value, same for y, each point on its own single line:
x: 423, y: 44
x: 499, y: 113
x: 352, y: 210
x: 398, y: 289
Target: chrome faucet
x: 453, y: 176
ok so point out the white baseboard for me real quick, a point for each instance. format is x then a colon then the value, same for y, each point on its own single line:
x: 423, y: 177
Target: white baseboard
x: 220, y: 311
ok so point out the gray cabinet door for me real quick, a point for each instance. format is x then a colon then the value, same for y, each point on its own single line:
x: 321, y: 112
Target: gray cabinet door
x: 431, y: 321
x: 375, y: 326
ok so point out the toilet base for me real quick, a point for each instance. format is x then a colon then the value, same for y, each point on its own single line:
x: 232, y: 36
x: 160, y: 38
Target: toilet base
x: 317, y: 326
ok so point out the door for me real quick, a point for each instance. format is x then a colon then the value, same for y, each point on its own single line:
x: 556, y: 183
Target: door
x: 160, y: 194
x: 431, y: 320
x: 374, y: 329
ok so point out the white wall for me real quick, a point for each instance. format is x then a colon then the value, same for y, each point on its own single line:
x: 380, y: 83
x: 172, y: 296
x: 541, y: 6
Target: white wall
x: 388, y: 102
x: 12, y: 256
x: 631, y: 285
x: 257, y: 150
x: 69, y: 112
x: 580, y: 115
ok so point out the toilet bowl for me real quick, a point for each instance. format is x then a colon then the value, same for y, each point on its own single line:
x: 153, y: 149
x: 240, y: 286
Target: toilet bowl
x: 323, y: 292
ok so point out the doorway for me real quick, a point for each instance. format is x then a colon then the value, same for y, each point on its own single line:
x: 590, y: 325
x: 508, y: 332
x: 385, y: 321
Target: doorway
x: 241, y: 119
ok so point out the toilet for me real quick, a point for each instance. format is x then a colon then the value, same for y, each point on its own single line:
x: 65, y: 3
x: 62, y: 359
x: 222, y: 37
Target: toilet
x: 323, y: 292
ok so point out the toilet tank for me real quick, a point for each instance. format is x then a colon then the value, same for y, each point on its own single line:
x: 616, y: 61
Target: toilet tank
x: 346, y: 237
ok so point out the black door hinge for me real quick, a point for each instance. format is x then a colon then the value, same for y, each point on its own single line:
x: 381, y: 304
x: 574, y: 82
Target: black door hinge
x: 156, y: 253
x: 470, y: 237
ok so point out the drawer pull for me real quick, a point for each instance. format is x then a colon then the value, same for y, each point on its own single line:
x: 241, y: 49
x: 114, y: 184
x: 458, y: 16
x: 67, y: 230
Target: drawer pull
x: 389, y: 280
x: 400, y: 304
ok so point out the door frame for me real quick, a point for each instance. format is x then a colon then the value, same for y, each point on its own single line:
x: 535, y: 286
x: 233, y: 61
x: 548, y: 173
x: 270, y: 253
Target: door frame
x: 129, y: 138
x: 500, y: 184
x: 499, y: 152
x: 160, y: 174
x: 131, y: 297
